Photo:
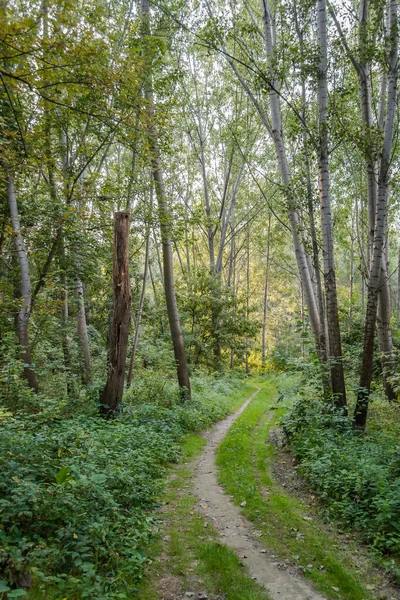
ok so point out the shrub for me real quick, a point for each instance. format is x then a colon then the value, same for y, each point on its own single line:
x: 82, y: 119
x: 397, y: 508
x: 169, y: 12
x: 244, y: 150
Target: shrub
x: 77, y: 492
x: 356, y: 475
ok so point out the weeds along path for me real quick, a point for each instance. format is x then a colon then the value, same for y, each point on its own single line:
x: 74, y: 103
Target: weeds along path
x: 236, y: 531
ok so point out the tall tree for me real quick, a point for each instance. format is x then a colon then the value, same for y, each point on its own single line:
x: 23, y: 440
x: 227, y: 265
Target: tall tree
x: 378, y: 249
x: 335, y: 348
x: 164, y: 215
x: 26, y: 289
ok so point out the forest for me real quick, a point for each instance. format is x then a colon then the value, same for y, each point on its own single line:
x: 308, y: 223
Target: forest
x: 199, y: 225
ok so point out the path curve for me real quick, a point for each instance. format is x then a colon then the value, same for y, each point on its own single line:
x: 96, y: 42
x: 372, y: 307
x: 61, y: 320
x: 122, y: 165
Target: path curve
x: 236, y: 531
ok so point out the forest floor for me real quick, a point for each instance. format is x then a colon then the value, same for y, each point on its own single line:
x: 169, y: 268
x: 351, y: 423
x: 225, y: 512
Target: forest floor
x: 237, y: 523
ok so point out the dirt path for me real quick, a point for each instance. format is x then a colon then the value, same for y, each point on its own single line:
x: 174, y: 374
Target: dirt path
x: 281, y: 581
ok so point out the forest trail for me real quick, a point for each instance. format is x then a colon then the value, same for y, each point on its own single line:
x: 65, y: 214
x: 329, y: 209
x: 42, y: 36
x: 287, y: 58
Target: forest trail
x: 237, y: 532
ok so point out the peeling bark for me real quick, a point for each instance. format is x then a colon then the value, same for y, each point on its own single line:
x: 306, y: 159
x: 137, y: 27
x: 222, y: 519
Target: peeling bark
x: 111, y: 395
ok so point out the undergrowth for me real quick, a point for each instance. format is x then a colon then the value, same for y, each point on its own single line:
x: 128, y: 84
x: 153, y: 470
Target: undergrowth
x: 77, y: 492
x: 356, y: 475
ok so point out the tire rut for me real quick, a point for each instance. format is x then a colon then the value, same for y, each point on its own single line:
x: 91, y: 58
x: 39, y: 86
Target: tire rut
x: 280, y: 580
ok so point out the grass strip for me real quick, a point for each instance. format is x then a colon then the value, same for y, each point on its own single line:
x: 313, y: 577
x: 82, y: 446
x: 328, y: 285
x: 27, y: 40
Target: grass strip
x: 189, y: 547
x: 244, y: 460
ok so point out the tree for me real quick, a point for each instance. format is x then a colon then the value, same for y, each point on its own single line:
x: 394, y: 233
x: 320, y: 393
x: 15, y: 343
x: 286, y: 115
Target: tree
x: 164, y: 216
x: 111, y: 395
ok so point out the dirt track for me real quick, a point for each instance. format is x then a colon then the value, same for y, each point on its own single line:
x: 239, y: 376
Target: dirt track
x: 281, y: 580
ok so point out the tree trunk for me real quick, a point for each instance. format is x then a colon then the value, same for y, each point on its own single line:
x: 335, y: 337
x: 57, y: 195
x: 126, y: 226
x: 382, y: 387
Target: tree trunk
x: 265, y: 303
x: 165, y: 219
x: 247, y: 292
x: 64, y: 316
x: 323, y: 351
x: 303, y: 324
x: 140, y: 310
x: 111, y: 395
x: 351, y: 287
x: 26, y: 294
x: 361, y: 410
x: 83, y: 333
x: 364, y: 78
x: 280, y: 150
x: 335, y: 347
x: 385, y: 342
x: 398, y: 287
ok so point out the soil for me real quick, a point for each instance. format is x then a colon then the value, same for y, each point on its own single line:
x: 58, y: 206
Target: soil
x: 279, y: 578
x: 285, y: 473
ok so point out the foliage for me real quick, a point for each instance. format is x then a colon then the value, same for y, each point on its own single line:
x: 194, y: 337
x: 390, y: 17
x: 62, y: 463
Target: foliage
x: 356, y: 475
x: 77, y: 491
x: 275, y: 513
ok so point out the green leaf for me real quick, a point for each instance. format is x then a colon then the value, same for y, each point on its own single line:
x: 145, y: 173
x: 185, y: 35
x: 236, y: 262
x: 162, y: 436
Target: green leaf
x: 63, y: 475
x: 17, y: 593
x: 98, y: 478
x: 4, y: 587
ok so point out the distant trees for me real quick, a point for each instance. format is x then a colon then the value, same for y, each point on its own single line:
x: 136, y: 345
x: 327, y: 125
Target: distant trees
x: 251, y: 118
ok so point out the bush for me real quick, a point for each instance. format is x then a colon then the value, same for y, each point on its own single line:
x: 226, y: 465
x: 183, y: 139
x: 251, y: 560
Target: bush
x: 77, y: 492
x: 357, y: 476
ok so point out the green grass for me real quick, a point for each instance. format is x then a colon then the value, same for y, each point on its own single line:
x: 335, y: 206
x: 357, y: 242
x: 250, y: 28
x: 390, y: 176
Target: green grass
x: 244, y: 459
x: 87, y: 535
x: 189, y: 545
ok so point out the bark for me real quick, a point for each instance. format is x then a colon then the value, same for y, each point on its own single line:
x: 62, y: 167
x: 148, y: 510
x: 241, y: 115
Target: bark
x: 265, y: 302
x: 210, y: 229
x: 231, y: 281
x: 364, y: 76
x: 187, y: 249
x: 313, y: 231
x: 351, y: 287
x: 303, y: 325
x: 335, y: 347
x: 26, y: 293
x: 280, y: 150
x: 226, y: 221
x: 374, y: 283
x: 140, y: 311
x: 83, y: 333
x: 156, y: 301
x: 385, y: 342
x: 398, y: 287
x: 247, y: 292
x: 165, y: 221
x: 64, y: 316
x: 111, y: 395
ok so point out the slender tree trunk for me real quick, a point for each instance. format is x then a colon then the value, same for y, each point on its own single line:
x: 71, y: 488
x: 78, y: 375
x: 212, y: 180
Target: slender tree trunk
x: 165, y: 220
x: 303, y: 325
x: 361, y: 410
x: 26, y: 294
x: 280, y: 150
x: 247, y: 292
x: 398, y: 287
x: 111, y: 395
x: 385, y: 336
x: 310, y: 205
x: 187, y: 249
x: 64, y: 316
x: 210, y: 229
x: 140, y: 311
x: 265, y: 303
x: 227, y: 220
x: 335, y: 347
x: 153, y: 285
x: 364, y: 78
x: 83, y: 333
x: 351, y: 287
